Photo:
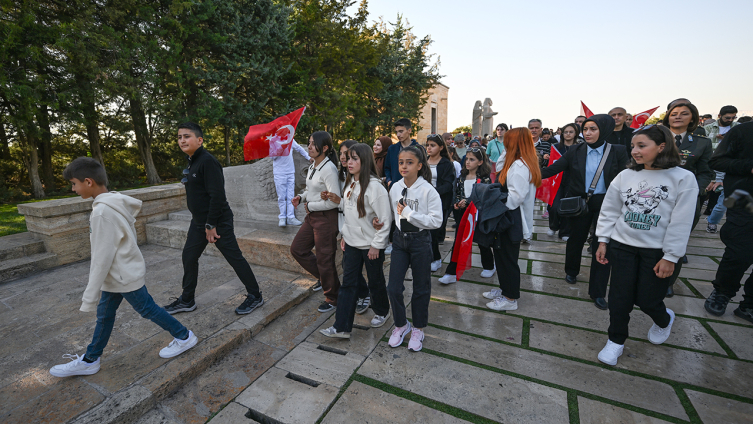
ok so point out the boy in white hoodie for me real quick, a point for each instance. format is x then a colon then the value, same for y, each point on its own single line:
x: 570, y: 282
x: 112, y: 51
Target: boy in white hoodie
x: 117, y: 269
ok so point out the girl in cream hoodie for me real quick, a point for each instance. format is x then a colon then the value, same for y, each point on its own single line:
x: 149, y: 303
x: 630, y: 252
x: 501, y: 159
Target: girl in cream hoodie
x: 364, y: 198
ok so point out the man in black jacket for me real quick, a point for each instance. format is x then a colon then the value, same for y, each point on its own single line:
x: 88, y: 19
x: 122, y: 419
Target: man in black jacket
x: 211, y: 222
x: 581, y: 162
x: 622, y: 133
x: 734, y: 155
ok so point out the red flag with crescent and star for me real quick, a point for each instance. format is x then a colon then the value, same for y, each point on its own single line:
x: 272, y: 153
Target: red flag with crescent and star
x: 548, y: 189
x: 585, y: 110
x: 461, y: 253
x: 640, y: 119
x: 272, y: 139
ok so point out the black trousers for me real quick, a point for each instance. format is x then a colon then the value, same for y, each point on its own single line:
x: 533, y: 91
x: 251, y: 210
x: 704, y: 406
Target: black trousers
x: 696, y: 218
x: 196, y: 242
x: 737, y: 236
x: 508, y: 270
x: 437, y: 235
x: 557, y: 222
x: 353, y: 263
x: 410, y: 250
x: 580, y: 227
x: 634, y: 282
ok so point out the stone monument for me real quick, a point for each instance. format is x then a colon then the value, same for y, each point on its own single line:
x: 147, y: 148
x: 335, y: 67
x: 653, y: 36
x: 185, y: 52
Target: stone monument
x: 487, y: 125
x: 478, y: 112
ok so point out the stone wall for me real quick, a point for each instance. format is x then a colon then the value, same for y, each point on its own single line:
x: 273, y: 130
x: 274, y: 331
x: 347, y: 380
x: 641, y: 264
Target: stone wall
x: 63, y: 224
x: 438, y: 95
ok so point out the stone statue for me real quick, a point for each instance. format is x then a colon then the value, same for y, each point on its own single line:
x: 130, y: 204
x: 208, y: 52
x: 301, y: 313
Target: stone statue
x: 478, y: 111
x: 487, y: 126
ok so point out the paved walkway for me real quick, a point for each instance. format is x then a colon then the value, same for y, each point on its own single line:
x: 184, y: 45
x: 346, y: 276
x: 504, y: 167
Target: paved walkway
x: 534, y: 365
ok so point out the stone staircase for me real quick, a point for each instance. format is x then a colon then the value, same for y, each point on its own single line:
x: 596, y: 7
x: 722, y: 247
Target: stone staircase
x: 22, y: 254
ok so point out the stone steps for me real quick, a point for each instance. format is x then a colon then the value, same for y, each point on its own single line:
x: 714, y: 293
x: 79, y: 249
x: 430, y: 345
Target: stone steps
x: 262, y: 243
x: 22, y: 254
x: 19, y: 245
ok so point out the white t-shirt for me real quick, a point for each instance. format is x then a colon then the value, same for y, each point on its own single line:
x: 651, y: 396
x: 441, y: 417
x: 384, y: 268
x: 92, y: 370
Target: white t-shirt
x: 433, y: 175
x: 723, y: 130
x: 468, y: 185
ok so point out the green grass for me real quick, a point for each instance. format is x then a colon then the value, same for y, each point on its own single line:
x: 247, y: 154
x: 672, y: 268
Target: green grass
x: 10, y: 221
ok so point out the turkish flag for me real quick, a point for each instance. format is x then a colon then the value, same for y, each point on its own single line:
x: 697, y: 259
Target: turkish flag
x: 585, y: 110
x: 461, y: 253
x: 640, y: 119
x: 272, y: 139
x: 549, y: 186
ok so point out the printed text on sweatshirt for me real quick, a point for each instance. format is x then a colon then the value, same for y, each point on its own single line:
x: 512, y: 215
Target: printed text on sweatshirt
x: 423, y: 207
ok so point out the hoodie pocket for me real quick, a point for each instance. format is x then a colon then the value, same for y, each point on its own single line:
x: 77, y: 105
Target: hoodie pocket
x: 354, y: 235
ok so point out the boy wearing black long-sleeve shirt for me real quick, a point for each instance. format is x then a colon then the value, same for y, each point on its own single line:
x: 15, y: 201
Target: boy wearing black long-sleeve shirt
x: 211, y: 222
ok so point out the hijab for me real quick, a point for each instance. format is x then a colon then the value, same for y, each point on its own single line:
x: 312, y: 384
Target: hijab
x: 606, y: 127
x: 379, y: 157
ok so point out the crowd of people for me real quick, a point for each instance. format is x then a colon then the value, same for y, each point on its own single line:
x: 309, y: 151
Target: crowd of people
x: 632, y: 196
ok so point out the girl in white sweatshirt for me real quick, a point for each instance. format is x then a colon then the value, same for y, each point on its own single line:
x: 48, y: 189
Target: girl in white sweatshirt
x: 646, y: 219
x: 364, y: 198
x: 417, y: 209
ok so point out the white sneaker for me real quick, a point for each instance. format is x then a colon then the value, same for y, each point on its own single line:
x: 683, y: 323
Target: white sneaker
x: 448, y: 279
x: 176, y: 347
x: 502, y: 304
x: 331, y: 332
x: 294, y: 221
x: 436, y: 265
x: 566, y: 238
x: 282, y: 223
x: 388, y: 250
x: 77, y: 366
x: 379, y: 320
x: 610, y: 353
x: 495, y: 293
x: 550, y: 232
x: 398, y: 334
x: 488, y: 272
x: 658, y: 335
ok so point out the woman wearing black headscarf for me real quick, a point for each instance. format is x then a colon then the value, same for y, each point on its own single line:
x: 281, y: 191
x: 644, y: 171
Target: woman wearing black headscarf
x: 581, y: 161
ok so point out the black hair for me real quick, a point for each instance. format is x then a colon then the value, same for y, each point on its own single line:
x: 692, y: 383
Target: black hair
x: 676, y: 100
x: 576, y: 127
x: 667, y: 158
x: 193, y: 127
x: 343, y: 171
x: 454, y: 154
x: 728, y: 109
x: 83, y: 168
x: 580, y: 116
x: 322, y: 139
x: 423, y: 159
x: 368, y: 169
x: 483, y: 170
x: 504, y: 126
x: 436, y: 138
x: 694, y: 120
x: 404, y: 123
x: 744, y: 119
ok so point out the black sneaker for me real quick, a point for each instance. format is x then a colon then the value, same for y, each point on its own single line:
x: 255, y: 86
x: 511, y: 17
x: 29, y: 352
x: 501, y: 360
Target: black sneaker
x: 363, y: 305
x: 716, y: 304
x: 252, y: 302
x: 180, y: 306
x: 317, y: 286
x: 326, y: 307
x: 744, y: 313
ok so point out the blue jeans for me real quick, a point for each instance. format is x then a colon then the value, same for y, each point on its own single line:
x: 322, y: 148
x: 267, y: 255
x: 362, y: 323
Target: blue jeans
x: 142, y: 303
x: 719, y: 210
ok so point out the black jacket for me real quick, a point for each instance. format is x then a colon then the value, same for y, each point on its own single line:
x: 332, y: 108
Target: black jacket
x: 494, y: 219
x: 734, y: 156
x: 622, y: 137
x: 205, y: 189
x: 574, y: 161
x: 445, y: 179
x: 460, y: 193
x: 695, y: 153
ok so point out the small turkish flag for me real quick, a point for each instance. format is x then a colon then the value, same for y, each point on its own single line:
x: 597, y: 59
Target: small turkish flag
x: 585, y: 110
x: 272, y: 139
x: 461, y: 253
x: 640, y: 119
x: 548, y: 190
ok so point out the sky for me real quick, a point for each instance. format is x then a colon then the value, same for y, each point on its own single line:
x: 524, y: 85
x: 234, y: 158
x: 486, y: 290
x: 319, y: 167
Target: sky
x: 539, y: 59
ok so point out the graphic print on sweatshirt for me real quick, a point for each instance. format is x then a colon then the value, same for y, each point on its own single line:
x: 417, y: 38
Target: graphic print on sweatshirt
x: 641, y: 203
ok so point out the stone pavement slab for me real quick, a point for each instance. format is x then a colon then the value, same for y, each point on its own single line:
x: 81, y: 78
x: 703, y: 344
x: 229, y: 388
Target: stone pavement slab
x: 739, y: 339
x: 365, y: 404
x: 363, y: 338
x: 637, y: 391
x: 323, y: 366
x: 716, y: 410
x: 495, y: 396
x: 489, y: 324
x: 594, y: 412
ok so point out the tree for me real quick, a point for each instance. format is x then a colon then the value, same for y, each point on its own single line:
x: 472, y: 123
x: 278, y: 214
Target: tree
x: 463, y: 129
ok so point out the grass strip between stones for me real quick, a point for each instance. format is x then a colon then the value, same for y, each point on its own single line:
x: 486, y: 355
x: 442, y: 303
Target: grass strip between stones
x: 718, y: 339
x: 572, y: 407
x: 525, y: 335
x: 676, y: 384
x: 690, y: 287
x: 422, y: 400
x: 339, y: 395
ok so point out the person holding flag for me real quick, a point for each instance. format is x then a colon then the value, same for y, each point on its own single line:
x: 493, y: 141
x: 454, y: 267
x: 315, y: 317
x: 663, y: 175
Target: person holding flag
x: 476, y: 170
x: 556, y: 221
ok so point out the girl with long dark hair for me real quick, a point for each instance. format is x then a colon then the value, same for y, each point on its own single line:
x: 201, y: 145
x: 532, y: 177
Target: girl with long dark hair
x: 442, y: 177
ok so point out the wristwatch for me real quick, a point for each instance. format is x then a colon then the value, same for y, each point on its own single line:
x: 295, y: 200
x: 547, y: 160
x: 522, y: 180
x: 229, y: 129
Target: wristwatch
x: 210, y: 226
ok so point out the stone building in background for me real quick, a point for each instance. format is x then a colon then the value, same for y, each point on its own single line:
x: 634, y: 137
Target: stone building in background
x: 434, y: 113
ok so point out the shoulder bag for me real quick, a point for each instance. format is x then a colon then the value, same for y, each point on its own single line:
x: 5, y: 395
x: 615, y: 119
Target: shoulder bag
x: 576, y: 206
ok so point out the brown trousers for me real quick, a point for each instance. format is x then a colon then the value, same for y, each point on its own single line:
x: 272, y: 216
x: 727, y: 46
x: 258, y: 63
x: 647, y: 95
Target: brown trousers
x: 319, y: 230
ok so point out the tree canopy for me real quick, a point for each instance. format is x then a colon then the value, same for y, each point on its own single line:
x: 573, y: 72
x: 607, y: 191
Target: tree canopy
x: 112, y: 79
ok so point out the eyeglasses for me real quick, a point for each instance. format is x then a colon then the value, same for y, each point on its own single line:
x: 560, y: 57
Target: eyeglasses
x: 351, y: 190
x: 185, y: 176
